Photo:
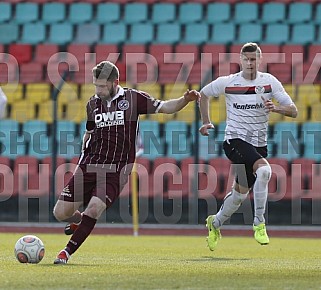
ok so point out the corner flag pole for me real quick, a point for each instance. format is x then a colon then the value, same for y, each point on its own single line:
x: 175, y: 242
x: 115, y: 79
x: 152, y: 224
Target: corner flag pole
x: 134, y: 187
x: 135, y: 200
x: 54, y: 144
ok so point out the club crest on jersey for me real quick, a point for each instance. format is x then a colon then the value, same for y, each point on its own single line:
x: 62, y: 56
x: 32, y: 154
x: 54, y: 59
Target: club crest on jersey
x: 259, y: 89
x: 123, y: 105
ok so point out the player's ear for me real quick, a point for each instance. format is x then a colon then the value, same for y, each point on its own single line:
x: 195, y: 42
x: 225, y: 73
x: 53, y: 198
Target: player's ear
x: 116, y: 82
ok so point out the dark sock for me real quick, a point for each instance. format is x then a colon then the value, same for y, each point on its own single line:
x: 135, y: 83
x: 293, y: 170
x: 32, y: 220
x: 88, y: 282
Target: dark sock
x: 80, y: 235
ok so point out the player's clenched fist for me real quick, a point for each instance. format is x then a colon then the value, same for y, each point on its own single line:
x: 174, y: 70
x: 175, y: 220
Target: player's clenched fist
x: 204, y: 129
x: 192, y: 95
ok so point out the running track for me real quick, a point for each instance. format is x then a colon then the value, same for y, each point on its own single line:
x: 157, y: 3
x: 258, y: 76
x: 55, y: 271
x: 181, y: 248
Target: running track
x: 178, y: 230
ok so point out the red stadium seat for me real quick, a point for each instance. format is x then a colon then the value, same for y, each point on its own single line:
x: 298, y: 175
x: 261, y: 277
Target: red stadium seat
x: 226, y: 68
x: 43, y: 52
x: 271, y: 54
x: 138, y: 49
x: 104, y: 51
x: 235, y: 48
x: 38, y: 1
x: 290, y: 50
x: 171, y: 73
x: 198, y: 71
x: 6, y: 178
x: 46, y: 172
x: 79, y: 51
x: 31, y: 72
x: 282, y: 71
x: 15, y: 1
x: 306, y: 73
x: 164, y: 170
x: 54, y: 71
x: 183, y: 51
x: 214, y: 50
x: 21, y: 52
x: 313, y: 49
x: 121, y: 1
x: 158, y: 51
x: 9, y: 71
x: 279, y: 182
x: 306, y: 172
x: 225, y: 178
x: 27, y: 181
x: 141, y: 72
x: 67, y: 1
x: 94, y: 1
x: 146, y: 1
x: 84, y: 74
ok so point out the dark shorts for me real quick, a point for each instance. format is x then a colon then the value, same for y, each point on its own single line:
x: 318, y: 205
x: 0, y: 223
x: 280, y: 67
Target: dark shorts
x: 243, y: 155
x: 84, y: 184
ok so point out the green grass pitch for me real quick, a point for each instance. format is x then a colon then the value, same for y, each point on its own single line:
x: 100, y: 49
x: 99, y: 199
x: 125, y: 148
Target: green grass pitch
x: 166, y: 262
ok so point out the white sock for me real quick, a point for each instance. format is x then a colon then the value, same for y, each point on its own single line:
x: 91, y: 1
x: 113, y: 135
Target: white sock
x: 260, y: 192
x: 232, y: 202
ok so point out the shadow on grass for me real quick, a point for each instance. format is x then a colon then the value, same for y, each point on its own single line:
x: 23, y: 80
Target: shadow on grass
x: 71, y: 265
x: 209, y: 258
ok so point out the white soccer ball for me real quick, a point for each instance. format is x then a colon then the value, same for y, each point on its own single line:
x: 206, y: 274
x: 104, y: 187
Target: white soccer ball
x: 29, y: 249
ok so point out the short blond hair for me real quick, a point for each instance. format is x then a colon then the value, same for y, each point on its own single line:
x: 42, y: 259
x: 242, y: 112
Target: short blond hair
x: 251, y: 47
x: 106, y: 70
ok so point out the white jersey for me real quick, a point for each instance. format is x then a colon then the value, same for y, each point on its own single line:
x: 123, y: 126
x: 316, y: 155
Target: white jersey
x: 246, y: 117
x: 3, y: 103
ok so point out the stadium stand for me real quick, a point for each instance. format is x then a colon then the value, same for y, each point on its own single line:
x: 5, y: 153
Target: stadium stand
x: 26, y: 12
x: 53, y: 12
x: 163, y: 12
x: 273, y: 12
x: 80, y: 13
x: 299, y: 12
x: 6, y: 12
x: 207, y: 42
x: 60, y: 33
x: 193, y: 10
x: 218, y: 12
x: 88, y: 33
x: 245, y: 12
x: 33, y: 33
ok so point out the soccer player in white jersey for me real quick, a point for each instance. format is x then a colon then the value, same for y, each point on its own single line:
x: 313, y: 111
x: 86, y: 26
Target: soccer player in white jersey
x: 3, y: 103
x: 248, y: 96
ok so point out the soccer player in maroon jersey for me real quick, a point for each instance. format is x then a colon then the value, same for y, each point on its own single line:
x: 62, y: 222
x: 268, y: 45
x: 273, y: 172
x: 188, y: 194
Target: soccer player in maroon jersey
x: 108, y: 152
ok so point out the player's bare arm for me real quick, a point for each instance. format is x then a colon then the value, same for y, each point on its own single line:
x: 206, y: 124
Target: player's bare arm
x: 175, y: 105
x: 289, y: 110
x: 205, y: 115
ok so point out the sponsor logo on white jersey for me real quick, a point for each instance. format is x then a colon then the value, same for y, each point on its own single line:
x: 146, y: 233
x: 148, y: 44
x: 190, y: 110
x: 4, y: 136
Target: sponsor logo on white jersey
x: 248, y: 106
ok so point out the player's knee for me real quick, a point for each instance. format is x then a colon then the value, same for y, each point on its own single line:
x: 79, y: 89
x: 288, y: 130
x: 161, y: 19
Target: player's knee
x: 263, y: 173
x: 60, y: 212
x: 95, y: 208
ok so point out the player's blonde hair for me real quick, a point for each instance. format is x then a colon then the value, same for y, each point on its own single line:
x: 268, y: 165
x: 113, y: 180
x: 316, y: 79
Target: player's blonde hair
x: 251, y: 47
x: 106, y: 70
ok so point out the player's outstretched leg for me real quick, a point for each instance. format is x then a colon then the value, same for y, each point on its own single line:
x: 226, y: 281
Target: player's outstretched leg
x: 214, y: 234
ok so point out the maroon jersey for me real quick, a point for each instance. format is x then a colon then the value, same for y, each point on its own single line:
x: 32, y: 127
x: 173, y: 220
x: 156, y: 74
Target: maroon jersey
x: 113, y: 126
